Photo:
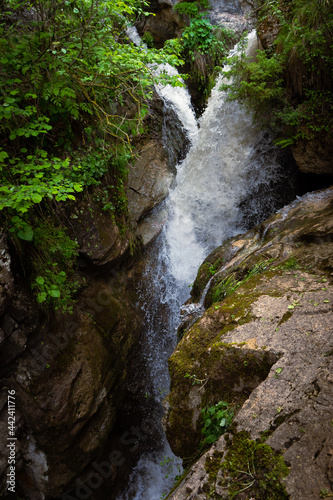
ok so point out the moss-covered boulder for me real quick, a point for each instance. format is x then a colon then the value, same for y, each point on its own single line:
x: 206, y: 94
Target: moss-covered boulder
x: 264, y: 345
x: 68, y: 379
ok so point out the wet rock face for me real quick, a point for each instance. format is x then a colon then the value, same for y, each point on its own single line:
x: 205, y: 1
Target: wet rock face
x: 314, y: 156
x: 164, y: 24
x: 69, y: 371
x: 68, y: 383
x: 233, y: 14
x: 277, y: 314
x: 153, y: 172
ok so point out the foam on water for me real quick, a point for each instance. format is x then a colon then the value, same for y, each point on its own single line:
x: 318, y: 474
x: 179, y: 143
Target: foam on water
x: 219, y: 171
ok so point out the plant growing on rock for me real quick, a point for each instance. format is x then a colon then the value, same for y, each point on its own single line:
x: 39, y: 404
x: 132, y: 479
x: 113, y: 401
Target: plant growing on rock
x: 289, y: 86
x: 216, y: 419
x: 73, y: 95
x: 254, y: 469
x: 204, y: 45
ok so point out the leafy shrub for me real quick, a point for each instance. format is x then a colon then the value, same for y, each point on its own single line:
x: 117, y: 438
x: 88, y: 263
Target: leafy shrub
x: 203, y: 44
x: 67, y: 71
x: 289, y: 87
x: 61, y: 75
x: 54, y: 281
x: 216, y: 421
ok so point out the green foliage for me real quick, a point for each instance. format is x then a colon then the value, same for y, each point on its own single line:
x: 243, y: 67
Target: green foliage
x: 65, y: 69
x: 148, y: 39
x: 253, y: 468
x: 325, y: 494
x: 54, y: 282
x: 291, y: 263
x: 28, y: 179
x: 203, y: 44
x: 22, y: 229
x: 226, y: 286
x: 195, y: 380
x: 258, y: 83
x: 289, y: 86
x: 205, y: 38
x: 73, y: 95
x: 190, y: 9
x: 216, y: 421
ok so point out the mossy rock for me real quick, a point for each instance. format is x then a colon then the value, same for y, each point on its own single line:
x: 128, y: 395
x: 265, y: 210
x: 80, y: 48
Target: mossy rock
x: 205, y: 370
x: 248, y: 469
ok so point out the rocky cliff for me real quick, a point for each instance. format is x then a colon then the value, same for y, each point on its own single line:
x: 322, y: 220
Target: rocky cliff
x: 69, y: 371
x: 264, y: 345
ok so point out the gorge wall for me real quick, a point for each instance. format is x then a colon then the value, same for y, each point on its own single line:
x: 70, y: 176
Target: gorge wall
x: 69, y: 371
x: 266, y: 348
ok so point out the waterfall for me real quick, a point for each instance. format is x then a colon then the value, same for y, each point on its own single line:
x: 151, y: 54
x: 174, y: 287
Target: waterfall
x: 177, y: 97
x: 224, y: 165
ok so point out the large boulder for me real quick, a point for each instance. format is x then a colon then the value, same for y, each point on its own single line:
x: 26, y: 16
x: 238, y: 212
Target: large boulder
x: 264, y: 345
x: 68, y: 384
x: 314, y: 156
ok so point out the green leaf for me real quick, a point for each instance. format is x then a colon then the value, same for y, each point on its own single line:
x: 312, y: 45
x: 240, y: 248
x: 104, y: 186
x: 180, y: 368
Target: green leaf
x: 26, y: 233
x: 54, y: 293
x: 37, y: 198
x: 40, y: 280
x: 78, y: 187
x: 41, y: 297
x: 222, y: 423
x: 3, y: 155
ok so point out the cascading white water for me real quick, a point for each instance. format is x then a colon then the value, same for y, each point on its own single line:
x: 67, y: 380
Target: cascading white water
x: 178, y: 97
x: 219, y: 171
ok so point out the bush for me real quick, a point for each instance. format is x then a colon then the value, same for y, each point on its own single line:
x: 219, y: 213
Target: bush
x: 289, y: 87
x: 216, y: 421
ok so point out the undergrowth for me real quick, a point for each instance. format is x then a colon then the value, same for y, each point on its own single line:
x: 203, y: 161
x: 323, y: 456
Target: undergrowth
x: 289, y: 85
x: 74, y: 93
x: 228, y: 285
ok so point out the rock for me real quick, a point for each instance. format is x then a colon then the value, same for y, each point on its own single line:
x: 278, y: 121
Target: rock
x: 69, y: 371
x: 277, y: 315
x: 153, y: 172
x: 233, y: 14
x: 152, y: 226
x: 68, y: 385
x: 149, y: 180
x: 314, y: 155
x: 164, y: 24
x: 6, y: 277
x: 100, y: 239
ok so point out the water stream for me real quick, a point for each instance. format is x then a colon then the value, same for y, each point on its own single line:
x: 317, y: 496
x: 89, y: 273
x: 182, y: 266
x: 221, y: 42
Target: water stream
x: 228, y: 160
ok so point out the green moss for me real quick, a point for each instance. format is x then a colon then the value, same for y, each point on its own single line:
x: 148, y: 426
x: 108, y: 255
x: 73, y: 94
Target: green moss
x: 227, y: 285
x: 205, y: 272
x: 285, y: 317
x: 213, y: 465
x: 250, y: 469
